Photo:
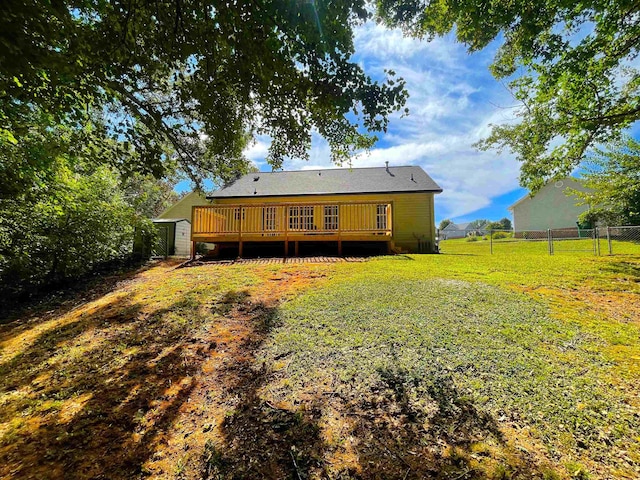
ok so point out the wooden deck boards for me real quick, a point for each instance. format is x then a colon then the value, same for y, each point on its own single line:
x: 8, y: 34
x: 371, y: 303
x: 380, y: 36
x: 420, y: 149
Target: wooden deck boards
x: 277, y: 260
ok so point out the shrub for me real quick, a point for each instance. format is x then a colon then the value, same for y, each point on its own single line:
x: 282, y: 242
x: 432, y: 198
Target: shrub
x: 499, y: 235
x: 78, y: 221
x: 472, y: 238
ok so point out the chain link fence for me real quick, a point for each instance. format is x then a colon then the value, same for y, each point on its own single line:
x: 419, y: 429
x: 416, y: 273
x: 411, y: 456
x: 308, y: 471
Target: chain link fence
x: 592, y: 241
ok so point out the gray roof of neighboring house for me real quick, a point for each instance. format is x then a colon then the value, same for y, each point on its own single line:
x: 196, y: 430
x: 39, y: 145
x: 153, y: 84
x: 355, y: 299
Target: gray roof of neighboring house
x: 328, y: 182
x: 462, y: 226
x: 457, y: 226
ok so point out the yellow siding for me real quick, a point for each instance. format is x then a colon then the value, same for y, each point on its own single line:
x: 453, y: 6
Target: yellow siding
x: 182, y: 208
x: 413, y: 214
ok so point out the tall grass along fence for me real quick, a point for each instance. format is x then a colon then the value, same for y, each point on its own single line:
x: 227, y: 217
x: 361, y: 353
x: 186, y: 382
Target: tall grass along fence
x: 592, y: 241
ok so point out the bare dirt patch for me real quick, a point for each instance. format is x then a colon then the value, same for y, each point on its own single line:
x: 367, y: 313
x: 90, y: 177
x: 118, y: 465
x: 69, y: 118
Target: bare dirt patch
x: 141, y: 380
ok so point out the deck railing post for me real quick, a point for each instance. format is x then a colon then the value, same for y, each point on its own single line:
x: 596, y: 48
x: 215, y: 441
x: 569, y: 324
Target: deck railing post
x: 286, y: 231
x: 339, y: 230
x: 241, y: 211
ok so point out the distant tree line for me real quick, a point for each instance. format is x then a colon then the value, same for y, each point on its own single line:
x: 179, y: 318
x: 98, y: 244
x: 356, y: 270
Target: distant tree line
x: 482, y: 224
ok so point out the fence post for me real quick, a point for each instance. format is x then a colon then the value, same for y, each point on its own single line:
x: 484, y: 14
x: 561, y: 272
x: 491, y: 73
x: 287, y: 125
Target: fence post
x: 491, y: 240
x: 609, y: 240
x: 550, y: 240
x: 594, y: 235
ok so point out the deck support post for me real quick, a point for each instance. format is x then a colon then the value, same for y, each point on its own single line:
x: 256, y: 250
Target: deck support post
x: 286, y: 248
x: 296, y: 249
x: 339, y: 247
x: 193, y: 250
x: 240, y: 249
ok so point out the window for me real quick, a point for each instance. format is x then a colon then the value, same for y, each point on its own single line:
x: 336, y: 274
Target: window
x: 381, y: 217
x: 294, y: 218
x: 269, y: 218
x: 301, y: 218
x: 331, y: 217
x: 236, y: 213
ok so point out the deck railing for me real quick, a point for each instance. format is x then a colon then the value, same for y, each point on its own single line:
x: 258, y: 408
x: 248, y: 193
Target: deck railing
x: 291, y: 220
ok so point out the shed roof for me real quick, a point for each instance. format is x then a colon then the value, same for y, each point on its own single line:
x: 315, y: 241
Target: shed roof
x: 331, y: 181
x: 169, y: 220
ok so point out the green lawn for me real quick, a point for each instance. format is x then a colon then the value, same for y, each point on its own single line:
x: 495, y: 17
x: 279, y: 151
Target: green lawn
x: 462, y: 365
x: 517, y: 340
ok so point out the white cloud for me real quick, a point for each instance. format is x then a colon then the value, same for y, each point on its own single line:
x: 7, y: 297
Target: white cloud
x: 258, y: 149
x: 376, y: 43
x: 453, y: 99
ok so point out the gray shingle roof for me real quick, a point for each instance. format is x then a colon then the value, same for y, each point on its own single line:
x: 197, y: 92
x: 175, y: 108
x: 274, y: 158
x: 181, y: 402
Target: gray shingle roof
x: 456, y: 226
x: 333, y: 181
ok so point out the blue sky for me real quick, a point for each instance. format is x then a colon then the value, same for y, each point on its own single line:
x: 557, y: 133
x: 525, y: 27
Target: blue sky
x: 453, y: 100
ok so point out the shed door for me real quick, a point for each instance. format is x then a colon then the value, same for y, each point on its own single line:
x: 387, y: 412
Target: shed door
x: 162, y: 245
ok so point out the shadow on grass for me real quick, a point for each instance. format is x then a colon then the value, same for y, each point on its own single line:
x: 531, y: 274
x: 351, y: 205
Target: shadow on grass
x: 260, y: 440
x: 94, y: 397
x: 628, y: 269
x: 388, y: 435
x: 429, y: 435
x: 67, y: 296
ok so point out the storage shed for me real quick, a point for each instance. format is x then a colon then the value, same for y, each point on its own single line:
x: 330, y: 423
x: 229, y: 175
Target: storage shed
x: 174, y: 236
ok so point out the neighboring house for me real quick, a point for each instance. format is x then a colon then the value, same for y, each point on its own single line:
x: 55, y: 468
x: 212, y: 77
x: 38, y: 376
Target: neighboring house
x: 460, y: 230
x: 392, y: 205
x: 552, y: 207
x: 174, y: 236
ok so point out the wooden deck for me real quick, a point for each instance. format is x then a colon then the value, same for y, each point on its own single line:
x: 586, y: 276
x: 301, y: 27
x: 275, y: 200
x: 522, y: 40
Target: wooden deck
x: 275, y: 260
x: 293, y: 222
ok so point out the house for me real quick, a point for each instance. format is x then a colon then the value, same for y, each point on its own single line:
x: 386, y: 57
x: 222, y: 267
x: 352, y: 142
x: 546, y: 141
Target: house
x: 553, y: 206
x: 386, y: 204
x: 460, y: 230
x: 174, y: 236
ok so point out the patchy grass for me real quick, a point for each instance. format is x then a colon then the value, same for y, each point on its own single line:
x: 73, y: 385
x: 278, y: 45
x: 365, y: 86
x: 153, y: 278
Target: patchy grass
x: 532, y: 360
x: 136, y: 381
x: 461, y: 366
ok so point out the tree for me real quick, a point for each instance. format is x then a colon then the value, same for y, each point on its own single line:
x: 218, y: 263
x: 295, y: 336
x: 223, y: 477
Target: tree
x: 61, y: 215
x: 478, y: 224
x: 74, y: 222
x: 186, y: 81
x: 613, y: 177
x: 568, y: 64
x: 444, y: 223
x: 149, y: 196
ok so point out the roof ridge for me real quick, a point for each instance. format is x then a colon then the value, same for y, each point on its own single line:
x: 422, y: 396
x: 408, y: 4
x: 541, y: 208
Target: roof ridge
x: 333, y: 169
